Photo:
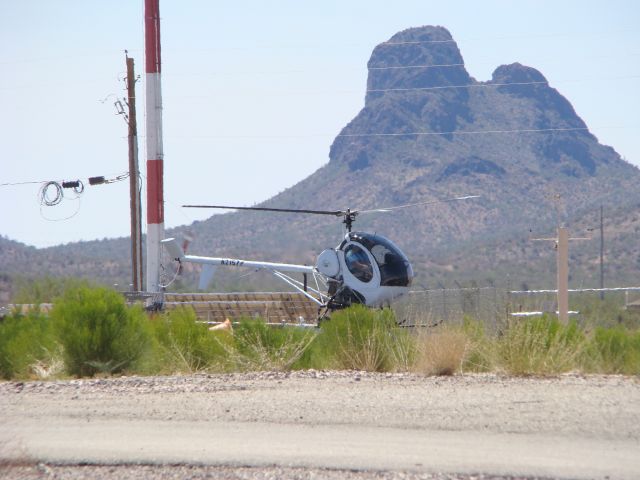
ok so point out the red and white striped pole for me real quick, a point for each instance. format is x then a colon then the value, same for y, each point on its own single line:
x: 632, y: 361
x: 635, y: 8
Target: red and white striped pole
x: 155, y: 199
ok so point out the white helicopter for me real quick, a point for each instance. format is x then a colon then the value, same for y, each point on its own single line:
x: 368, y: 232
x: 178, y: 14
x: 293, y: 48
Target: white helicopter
x: 364, y: 268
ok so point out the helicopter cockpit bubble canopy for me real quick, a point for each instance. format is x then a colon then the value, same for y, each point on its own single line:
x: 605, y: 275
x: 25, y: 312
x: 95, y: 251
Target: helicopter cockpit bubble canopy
x: 393, y: 264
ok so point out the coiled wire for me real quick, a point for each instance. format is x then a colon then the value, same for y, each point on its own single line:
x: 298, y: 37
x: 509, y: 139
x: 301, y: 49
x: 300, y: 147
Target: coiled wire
x: 50, y: 194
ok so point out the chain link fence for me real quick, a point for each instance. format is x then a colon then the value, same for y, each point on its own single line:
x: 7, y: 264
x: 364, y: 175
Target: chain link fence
x: 423, y: 308
x: 494, y: 306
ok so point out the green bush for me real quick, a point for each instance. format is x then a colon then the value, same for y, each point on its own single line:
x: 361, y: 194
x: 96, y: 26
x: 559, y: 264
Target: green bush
x: 98, y: 332
x: 614, y: 350
x: 259, y: 346
x: 185, y: 345
x: 26, y: 341
x: 360, y: 338
x: 539, y: 345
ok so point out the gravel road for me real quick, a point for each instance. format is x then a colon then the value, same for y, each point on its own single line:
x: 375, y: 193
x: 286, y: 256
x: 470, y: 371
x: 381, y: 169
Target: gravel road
x: 352, y: 425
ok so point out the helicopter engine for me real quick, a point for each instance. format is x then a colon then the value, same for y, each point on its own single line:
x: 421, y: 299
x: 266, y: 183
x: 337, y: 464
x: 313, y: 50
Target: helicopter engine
x: 365, y: 268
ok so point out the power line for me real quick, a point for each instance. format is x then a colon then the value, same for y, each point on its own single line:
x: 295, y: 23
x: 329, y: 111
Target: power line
x: 409, y: 89
x: 441, y: 87
x: 105, y: 53
x: 97, y: 180
x: 487, y: 62
x: 417, y: 42
x: 23, y: 183
x: 398, y: 67
x: 375, y: 68
x: 490, y: 84
x: 513, y: 37
x: 463, y: 132
x: 399, y: 134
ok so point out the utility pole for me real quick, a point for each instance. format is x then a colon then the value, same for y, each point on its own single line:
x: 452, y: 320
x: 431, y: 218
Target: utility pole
x: 562, y: 270
x: 562, y: 263
x: 601, y: 252
x: 563, y: 274
x: 134, y: 186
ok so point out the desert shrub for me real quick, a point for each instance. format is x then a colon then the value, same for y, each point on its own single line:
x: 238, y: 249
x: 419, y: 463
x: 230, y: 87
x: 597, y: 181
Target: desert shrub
x: 448, y: 349
x: 613, y: 350
x: 259, y: 346
x: 441, y: 351
x: 360, y: 338
x: 98, y: 332
x: 539, y: 345
x: 182, y: 344
x: 26, y: 342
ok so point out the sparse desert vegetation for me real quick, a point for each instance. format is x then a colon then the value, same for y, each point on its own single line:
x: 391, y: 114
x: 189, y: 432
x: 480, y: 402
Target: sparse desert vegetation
x: 91, y: 331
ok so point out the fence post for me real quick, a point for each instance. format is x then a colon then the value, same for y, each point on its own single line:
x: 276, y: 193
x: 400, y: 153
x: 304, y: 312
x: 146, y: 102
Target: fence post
x: 445, y: 313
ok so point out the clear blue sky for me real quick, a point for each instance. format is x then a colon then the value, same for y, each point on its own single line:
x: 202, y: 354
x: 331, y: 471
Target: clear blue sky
x: 255, y: 91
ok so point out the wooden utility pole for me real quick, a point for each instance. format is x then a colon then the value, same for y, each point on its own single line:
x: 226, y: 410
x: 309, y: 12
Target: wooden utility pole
x: 562, y: 263
x: 563, y: 274
x: 601, y: 252
x: 562, y: 270
x: 134, y: 184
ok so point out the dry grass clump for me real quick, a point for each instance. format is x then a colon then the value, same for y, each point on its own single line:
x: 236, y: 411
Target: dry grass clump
x: 441, y: 352
x: 49, y: 367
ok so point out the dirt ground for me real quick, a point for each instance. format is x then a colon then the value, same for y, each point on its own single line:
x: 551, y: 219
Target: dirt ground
x: 312, y: 424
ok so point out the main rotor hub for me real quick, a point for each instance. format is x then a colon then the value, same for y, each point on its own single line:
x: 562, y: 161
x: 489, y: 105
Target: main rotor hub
x: 349, y: 218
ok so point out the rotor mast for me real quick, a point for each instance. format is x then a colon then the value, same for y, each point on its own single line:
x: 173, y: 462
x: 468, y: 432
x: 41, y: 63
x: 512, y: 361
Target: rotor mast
x: 349, y: 218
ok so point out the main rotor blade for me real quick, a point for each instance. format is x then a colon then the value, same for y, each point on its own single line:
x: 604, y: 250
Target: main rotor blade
x: 428, y: 202
x: 335, y: 213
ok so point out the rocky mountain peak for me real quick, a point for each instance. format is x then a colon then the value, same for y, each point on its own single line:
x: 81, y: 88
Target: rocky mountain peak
x: 553, y: 109
x: 417, y: 57
x: 408, y: 90
x: 516, y: 72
